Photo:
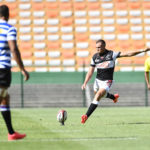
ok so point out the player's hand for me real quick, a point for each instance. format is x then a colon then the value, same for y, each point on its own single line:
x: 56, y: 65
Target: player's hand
x: 25, y: 74
x: 148, y: 87
x: 83, y: 86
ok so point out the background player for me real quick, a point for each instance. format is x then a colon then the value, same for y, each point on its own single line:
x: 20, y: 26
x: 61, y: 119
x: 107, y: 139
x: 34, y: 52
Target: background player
x: 104, y: 61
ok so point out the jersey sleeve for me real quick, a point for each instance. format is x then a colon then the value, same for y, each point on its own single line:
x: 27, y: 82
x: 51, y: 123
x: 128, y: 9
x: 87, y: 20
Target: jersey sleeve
x: 12, y: 34
x: 147, y: 65
x: 115, y: 55
x: 92, y: 62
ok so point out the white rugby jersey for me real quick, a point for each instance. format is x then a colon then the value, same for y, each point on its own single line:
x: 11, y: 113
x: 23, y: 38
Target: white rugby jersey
x: 7, y: 32
x: 105, y: 64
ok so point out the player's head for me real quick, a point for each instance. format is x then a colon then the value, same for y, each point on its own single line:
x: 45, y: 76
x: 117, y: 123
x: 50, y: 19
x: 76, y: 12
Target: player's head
x: 100, y: 45
x: 4, y: 12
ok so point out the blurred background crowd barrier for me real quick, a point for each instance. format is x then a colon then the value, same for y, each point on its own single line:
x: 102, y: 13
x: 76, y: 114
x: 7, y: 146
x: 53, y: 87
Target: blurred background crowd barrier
x: 64, y: 90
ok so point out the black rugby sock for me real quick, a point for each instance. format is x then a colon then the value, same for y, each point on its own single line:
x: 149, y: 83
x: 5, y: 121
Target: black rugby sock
x: 111, y: 96
x: 7, y: 118
x: 91, y: 109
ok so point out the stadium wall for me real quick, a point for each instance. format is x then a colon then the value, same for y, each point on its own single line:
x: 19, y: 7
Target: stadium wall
x: 64, y: 90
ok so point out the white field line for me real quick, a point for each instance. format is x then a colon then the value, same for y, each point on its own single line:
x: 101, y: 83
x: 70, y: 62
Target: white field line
x: 88, y: 96
x: 74, y: 139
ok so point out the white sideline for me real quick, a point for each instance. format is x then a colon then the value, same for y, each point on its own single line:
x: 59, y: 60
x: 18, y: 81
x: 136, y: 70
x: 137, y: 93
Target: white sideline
x: 74, y: 139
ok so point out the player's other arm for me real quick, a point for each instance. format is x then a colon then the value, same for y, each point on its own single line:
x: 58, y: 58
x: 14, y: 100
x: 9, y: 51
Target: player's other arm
x: 129, y: 54
x: 88, y: 77
x: 16, y: 54
x: 147, y: 79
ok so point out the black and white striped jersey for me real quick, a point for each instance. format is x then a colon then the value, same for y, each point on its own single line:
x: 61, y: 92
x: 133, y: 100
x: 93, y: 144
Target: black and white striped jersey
x: 105, y: 64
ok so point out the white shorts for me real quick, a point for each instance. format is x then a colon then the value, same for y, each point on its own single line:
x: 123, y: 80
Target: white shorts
x: 99, y: 84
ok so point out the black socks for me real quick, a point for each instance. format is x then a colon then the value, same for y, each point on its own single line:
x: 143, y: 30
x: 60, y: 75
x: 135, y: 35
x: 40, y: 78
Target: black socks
x: 111, y: 96
x: 91, y: 109
x: 7, y: 118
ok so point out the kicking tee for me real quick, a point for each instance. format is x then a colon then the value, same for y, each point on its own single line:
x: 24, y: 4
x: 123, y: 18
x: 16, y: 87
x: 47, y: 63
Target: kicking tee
x: 105, y: 64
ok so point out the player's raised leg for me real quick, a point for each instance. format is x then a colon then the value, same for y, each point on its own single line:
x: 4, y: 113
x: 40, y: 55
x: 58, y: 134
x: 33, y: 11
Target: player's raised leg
x: 93, y: 105
x: 114, y: 97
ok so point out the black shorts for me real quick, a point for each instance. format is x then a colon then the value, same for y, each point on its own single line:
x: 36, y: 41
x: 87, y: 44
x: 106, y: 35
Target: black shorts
x: 5, y: 77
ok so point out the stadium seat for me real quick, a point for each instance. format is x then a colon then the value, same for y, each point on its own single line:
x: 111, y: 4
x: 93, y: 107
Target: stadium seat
x: 68, y: 54
x: 79, y: 5
x: 66, y: 29
x: 123, y: 28
x: 26, y: 54
x: 39, y: 22
x: 38, y: 30
x: 52, y: 5
x: 93, y: 5
x: 82, y: 53
x: 124, y: 69
x: 68, y: 45
x: 12, y: 22
x: 24, y: 6
x: 121, y: 5
x: 68, y: 62
x: 38, y: 6
x: 52, y: 29
x: 24, y: 14
x: 41, y: 69
x: 25, y: 37
x: 95, y: 37
x: 52, y: 13
x: 134, y: 5
x: 81, y: 37
x: 94, y: 21
x: 80, y: 21
x: 25, y: 45
x: 39, y: 54
x: 39, y: 45
x: 109, y: 13
x: 66, y: 21
x: 53, y: 37
x: 39, y: 37
x: 39, y: 14
x: 54, y: 62
x: 55, y: 69
x: 82, y: 45
x: 69, y: 69
x: 65, y: 6
x: 54, y: 54
x: 110, y: 29
x: 66, y: 13
x: 94, y: 13
x: 40, y: 62
x: 80, y: 13
x: 53, y: 45
x: 121, y: 13
x: 67, y: 37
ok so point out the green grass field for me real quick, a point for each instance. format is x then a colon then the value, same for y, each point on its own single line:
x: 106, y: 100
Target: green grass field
x: 107, y: 129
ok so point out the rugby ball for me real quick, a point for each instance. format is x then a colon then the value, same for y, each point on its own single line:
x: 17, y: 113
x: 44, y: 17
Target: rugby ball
x: 62, y: 116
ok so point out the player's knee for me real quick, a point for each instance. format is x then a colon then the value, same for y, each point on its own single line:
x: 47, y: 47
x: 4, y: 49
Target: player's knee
x: 4, y: 96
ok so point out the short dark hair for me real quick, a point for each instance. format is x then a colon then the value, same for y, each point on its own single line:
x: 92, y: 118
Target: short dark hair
x: 4, y: 11
x: 101, y: 41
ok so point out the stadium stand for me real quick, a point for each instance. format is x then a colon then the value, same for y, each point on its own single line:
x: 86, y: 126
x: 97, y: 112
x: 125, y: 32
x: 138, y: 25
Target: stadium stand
x: 60, y: 25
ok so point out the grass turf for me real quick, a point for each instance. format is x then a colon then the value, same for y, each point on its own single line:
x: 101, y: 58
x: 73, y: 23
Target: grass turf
x: 107, y: 129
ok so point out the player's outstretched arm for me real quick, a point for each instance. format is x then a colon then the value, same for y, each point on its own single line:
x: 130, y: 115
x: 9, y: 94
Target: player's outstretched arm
x: 129, y: 54
x: 88, y: 77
